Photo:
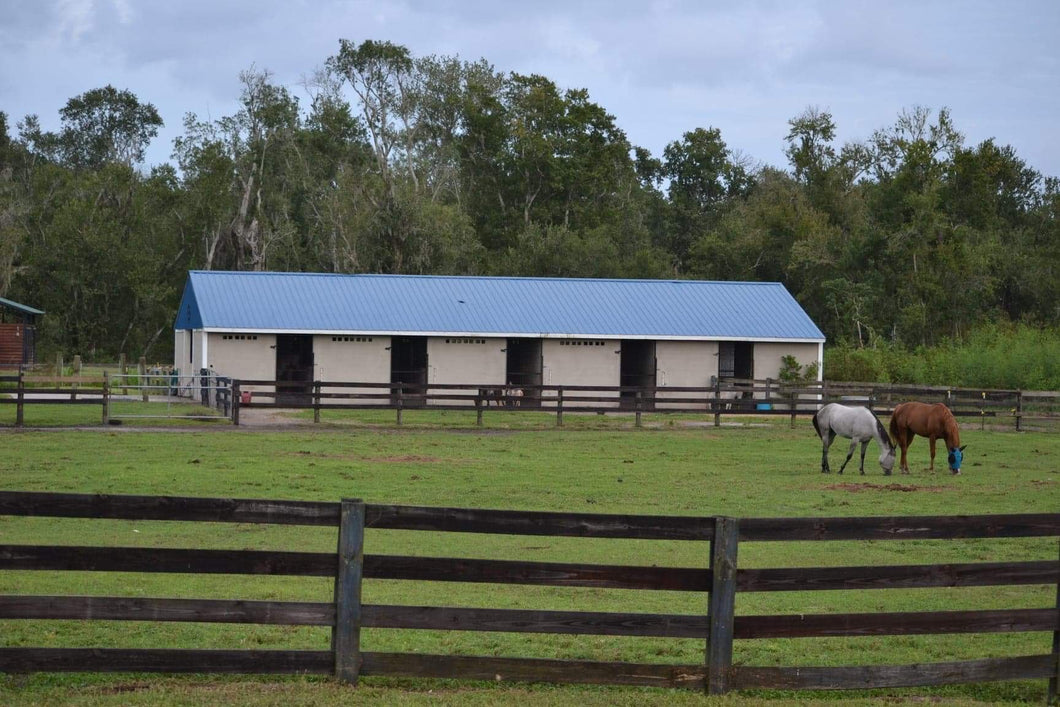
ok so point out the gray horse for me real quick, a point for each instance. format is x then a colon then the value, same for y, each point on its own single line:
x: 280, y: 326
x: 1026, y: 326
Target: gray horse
x: 859, y: 425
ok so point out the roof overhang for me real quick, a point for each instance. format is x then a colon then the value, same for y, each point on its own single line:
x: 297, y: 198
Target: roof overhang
x: 506, y: 335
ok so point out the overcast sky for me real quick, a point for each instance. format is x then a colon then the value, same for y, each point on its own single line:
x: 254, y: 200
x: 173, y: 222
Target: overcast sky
x: 661, y: 68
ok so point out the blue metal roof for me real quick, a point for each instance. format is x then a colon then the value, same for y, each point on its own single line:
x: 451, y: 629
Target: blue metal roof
x: 515, y: 306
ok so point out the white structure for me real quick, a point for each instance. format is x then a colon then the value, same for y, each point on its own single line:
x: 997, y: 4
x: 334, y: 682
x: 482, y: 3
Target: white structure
x: 489, y: 331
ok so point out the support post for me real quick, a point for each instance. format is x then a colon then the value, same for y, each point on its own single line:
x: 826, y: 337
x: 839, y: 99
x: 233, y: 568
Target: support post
x: 1053, y: 698
x: 122, y: 370
x: 20, y: 399
x: 346, y: 635
x: 478, y: 408
x: 636, y: 403
x: 1019, y: 410
x: 559, y: 407
x: 795, y: 405
x: 400, y: 401
x: 316, y: 401
x: 141, y: 370
x: 106, y: 398
x: 717, y: 401
x: 235, y: 403
x: 722, y: 604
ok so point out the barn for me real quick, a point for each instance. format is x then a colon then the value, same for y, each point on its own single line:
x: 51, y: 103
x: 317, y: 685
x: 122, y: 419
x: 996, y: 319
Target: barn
x: 17, y: 333
x: 506, y: 331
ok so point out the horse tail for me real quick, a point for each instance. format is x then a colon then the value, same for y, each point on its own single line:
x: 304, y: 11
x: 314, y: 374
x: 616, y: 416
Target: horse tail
x: 817, y: 425
x: 894, y: 426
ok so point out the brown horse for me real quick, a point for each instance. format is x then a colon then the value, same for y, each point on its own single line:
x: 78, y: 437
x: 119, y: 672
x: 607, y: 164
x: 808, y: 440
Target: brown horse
x: 932, y: 421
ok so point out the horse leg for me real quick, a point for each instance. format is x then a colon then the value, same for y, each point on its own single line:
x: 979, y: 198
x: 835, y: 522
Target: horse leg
x: 853, y: 446
x: 932, y: 467
x: 903, y: 444
x: 864, y: 446
x: 826, y: 440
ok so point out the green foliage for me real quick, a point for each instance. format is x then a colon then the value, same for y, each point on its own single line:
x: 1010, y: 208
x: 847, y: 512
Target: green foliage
x: 405, y: 164
x: 1013, y: 356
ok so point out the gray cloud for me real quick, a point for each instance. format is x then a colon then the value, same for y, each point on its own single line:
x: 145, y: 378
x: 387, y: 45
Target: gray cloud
x: 662, y: 68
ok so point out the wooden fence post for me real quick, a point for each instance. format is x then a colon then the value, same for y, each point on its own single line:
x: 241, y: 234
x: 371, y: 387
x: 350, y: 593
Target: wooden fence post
x: 794, y: 406
x: 346, y: 636
x: 717, y: 401
x: 316, y: 401
x: 400, y: 401
x: 1053, y: 697
x: 636, y: 403
x: 122, y: 370
x: 235, y: 403
x: 141, y: 370
x: 478, y: 408
x: 722, y: 604
x: 1019, y: 409
x: 20, y: 399
x: 559, y: 407
x: 106, y: 397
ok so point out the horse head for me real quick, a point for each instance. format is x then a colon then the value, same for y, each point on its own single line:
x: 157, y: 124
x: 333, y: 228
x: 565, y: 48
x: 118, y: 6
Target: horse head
x: 955, y: 458
x: 887, y: 459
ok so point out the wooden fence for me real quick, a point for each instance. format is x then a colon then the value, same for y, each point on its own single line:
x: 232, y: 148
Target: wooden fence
x: 723, y: 398
x: 347, y: 615
x: 62, y: 391
x: 21, y: 390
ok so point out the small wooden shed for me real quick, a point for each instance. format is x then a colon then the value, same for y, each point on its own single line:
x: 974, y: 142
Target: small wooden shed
x: 18, y: 328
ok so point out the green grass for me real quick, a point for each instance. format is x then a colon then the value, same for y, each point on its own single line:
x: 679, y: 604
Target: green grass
x: 122, y: 413
x: 520, y: 461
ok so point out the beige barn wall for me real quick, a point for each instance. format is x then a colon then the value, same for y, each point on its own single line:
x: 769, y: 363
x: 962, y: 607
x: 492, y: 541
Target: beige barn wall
x: 181, y: 341
x: 475, y: 360
x: 352, y: 359
x: 249, y: 359
x: 767, y: 357
x: 683, y: 364
x: 188, y: 370
x: 568, y: 363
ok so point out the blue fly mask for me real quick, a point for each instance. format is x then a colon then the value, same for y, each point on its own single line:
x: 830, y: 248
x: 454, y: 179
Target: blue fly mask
x: 955, y: 458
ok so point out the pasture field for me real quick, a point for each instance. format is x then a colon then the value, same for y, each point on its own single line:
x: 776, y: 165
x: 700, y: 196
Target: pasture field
x: 593, y: 464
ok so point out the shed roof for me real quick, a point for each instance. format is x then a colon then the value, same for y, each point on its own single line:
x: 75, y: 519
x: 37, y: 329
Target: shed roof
x: 24, y: 309
x: 265, y: 302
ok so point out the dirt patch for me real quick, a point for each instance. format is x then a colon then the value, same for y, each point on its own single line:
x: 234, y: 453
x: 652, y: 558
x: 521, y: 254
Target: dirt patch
x: 904, y: 488
x: 410, y: 459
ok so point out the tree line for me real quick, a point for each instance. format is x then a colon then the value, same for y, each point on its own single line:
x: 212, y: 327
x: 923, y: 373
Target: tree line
x: 396, y: 163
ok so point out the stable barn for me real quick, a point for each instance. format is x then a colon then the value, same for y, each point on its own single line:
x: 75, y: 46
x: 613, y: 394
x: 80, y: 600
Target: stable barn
x: 488, y: 331
x: 18, y: 328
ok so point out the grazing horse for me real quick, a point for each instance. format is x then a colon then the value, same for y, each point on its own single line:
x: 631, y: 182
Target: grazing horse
x: 932, y: 421
x: 859, y: 425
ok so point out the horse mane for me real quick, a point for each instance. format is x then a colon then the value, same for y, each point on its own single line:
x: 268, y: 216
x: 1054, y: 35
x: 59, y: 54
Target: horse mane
x: 951, y: 429
x: 883, y: 433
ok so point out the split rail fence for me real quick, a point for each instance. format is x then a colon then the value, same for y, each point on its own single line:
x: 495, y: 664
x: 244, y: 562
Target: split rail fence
x: 726, y: 397
x: 719, y: 579
x: 19, y: 389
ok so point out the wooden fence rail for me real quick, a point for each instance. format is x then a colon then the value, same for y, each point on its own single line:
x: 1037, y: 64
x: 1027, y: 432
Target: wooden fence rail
x: 724, y: 397
x: 721, y: 579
